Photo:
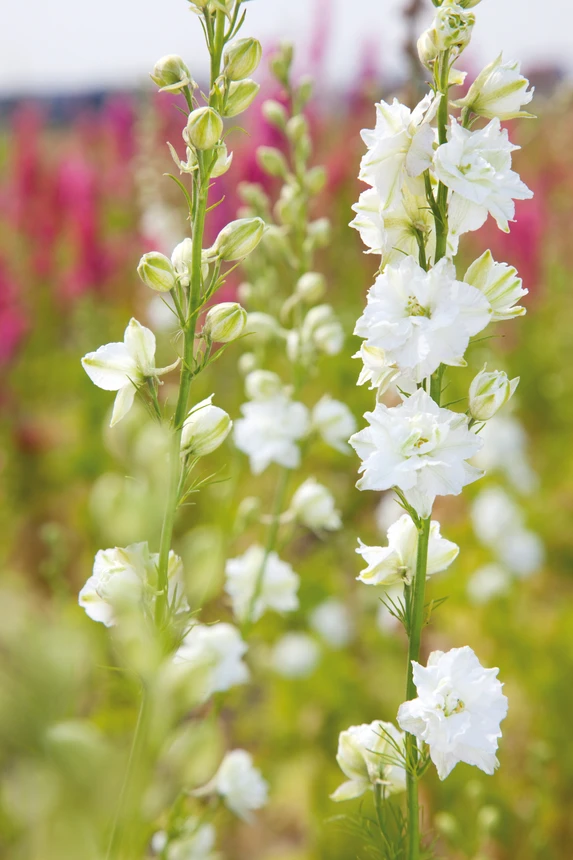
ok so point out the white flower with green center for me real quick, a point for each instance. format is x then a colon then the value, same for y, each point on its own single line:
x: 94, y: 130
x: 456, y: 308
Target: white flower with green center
x: 400, y: 147
x: 422, y: 319
x: 376, y: 369
x: 418, y: 447
x: 397, y: 562
x: 256, y: 582
x: 500, y: 284
x: 125, y: 367
x: 269, y: 432
x: 239, y: 783
x: 127, y: 577
x: 500, y: 90
x: 476, y: 167
x: 369, y: 755
x: 458, y: 711
x: 217, y: 650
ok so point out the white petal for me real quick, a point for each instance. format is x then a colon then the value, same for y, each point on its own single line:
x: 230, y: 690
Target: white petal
x: 110, y: 366
x: 123, y: 403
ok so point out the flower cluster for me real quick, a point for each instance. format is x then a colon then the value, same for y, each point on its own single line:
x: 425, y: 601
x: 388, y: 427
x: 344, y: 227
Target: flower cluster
x: 433, y: 177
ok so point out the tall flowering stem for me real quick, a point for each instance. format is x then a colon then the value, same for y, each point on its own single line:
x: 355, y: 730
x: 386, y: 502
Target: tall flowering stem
x: 431, y: 179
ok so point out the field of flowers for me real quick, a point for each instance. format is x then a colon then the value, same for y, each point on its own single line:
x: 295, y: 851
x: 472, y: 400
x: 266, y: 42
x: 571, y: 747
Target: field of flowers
x: 83, y: 195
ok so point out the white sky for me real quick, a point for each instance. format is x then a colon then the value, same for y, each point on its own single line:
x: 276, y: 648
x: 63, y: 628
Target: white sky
x: 59, y: 45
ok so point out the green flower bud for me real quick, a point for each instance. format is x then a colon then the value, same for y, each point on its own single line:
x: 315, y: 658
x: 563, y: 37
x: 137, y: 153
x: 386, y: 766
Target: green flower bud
x: 316, y: 179
x: 204, y: 128
x: 225, y: 322
x: 242, y: 58
x: 253, y: 195
x: 239, y: 238
x: 171, y: 74
x: 489, y: 392
x: 311, y: 287
x: 157, y: 272
x: 241, y: 95
x: 272, y: 161
x: 281, y: 62
x: 205, y: 429
x: 453, y: 27
x: 319, y: 232
x: 427, y: 48
x: 262, y: 327
x: 304, y: 92
x: 468, y: 4
x: 275, y: 113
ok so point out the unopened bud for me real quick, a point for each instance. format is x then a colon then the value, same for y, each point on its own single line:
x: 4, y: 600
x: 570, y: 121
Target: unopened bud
x: 319, y: 232
x: 241, y: 95
x: 262, y: 327
x: 296, y: 127
x: 275, y: 113
x: 489, y: 392
x: 225, y: 322
x: 239, y: 238
x: 304, y: 92
x: 314, y: 507
x: 427, y: 48
x: 262, y: 385
x: 316, y: 179
x: 242, y: 58
x: 205, y: 428
x: 182, y: 261
x: 322, y: 328
x: 157, y: 272
x: 272, y: 161
x: 204, y: 128
x: 281, y: 62
x: 171, y: 74
x: 311, y: 287
x: 453, y: 27
x: 253, y: 195
x: 247, y: 363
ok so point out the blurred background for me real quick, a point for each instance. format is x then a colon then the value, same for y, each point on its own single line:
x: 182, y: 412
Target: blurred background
x: 82, y: 196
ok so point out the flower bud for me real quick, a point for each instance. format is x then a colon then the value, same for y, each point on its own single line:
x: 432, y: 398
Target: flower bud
x: 296, y: 127
x: 262, y: 327
x: 182, y: 260
x: 205, y: 428
x: 316, y: 179
x: 272, y: 161
x: 262, y: 385
x: 304, y: 92
x: 242, y: 58
x: 313, y: 506
x: 241, y: 95
x: 311, y: 287
x: 322, y: 328
x: 171, y: 74
x: 204, y: 128
x: 157, y: 272
x: 222, y: 162
x: 499, y: 90
x: 453, y: 27
x: 281, y: 63
x: 225, y: 322
x: 239, y: 238
x: 253, y: 195
x: 468, y: 4
x: 319, y: 232
x: 427, y: 48
x: 275, y: 113
x: 489, y: 392
x: 247, y: 363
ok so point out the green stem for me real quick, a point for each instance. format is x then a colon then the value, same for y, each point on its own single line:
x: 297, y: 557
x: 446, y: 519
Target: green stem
x: 442, y: 120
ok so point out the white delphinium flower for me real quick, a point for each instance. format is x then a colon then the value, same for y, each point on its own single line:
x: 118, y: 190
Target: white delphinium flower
x: 393, y: 232
x: 333, y: 622
x: 500, y: 90
x: 334, y: 422
x: 269, y: 431
x: 239, y: 783
x: 489, y: 392
x: 217, y: 650
x: 418, y: 447
x: 278, y: 584
x: 476, y: 167
x: 505, y: 450
x: 125, y: 576
x: 458, y: 711
x: 376, y: 369
x: 400, y: 147
x: 397, y: 561
x: 487, y: 583
x: 124, y: 367
x: 422, y: 319
x: 196, y: 842
x: 295, y: 655
x: 500, y: 284
x: 368, y: 756
x: 313, y: 506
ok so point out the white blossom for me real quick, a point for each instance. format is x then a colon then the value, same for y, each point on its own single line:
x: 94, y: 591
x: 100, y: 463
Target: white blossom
x: 397, y: 561
x: 418, y: 447
x: 216, y: 650
x: 313, y: 505
x: 376, y: 369
x: 274, y: 580
x: 124, y: 367
x: 399, y: 147
x: 422, y: 319
x: 295, y: 655
x: 368, y: 755
x: 127, y: 576
x: 476, y: 167
x: 331, y: 620
x: 500, y: 90
x: 334, y: 422
x: 393, y: 232
x: 239, y: 783
x: 458, y: 711
x: 195, y: 842
x: 269, y: 431
x: 500, y: 285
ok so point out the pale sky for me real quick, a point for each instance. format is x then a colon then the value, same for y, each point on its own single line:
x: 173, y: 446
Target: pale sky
x: 51, y: 46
